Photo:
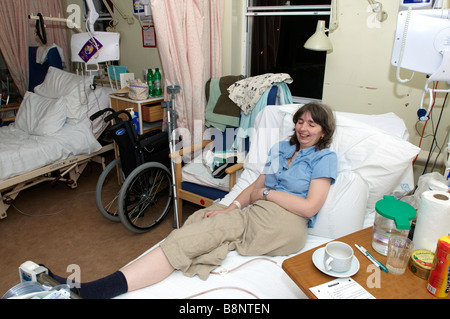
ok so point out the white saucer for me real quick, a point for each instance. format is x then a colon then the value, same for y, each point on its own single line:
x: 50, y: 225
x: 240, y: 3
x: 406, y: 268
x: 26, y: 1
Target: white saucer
x: 318, y: 262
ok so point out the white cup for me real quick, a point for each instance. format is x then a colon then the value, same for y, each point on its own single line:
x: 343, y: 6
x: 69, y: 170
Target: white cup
x: 338, y: 256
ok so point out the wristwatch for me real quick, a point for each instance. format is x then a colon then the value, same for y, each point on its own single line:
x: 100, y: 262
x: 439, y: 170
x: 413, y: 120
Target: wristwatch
x: 265, y: 193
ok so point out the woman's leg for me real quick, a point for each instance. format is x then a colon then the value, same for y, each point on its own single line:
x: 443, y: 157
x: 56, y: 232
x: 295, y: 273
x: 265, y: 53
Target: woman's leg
x: 154, y: 266
x: 147, y: 270
x: 272, y: 231
x: 201, y: 245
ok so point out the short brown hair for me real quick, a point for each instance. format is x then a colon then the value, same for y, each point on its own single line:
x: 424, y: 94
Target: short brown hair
x: 323, y: 116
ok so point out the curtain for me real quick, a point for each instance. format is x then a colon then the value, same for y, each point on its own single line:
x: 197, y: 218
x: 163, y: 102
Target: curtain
x: 265, y: 40
x: 189, y: 36
x: 18, y: 33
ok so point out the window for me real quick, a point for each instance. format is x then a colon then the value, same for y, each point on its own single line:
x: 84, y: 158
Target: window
x: 276, y: 33
x: 9, y: 93
x: 102, y: 7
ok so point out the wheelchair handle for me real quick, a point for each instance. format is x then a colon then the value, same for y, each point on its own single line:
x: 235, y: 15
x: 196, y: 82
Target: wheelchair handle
x: 100, y: 113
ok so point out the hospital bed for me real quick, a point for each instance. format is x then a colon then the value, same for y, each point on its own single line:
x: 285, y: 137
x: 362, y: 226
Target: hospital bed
x: 374, y: 159
x: 52, y: 138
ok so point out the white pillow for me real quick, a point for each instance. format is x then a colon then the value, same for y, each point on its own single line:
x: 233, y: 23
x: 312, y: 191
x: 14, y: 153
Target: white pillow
x: 98, y: 100
x: 345, y: 208
x: 59, y: 83
x: 198, y: 173
x: 381, y: 160
x: 42, y: 116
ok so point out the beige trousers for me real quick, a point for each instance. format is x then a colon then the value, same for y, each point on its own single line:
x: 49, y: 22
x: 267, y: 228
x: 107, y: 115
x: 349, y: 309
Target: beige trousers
x: 263, y: 228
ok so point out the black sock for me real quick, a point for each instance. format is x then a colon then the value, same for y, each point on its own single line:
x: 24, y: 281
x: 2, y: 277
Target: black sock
x: 104, y: 288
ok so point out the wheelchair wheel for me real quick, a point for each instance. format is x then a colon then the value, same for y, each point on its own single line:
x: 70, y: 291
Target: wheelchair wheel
x: 145, y: 197
x: 107, y: 191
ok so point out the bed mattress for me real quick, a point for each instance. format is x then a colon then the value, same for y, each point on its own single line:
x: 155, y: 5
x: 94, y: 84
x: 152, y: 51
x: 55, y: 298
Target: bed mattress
x: 239, y: 277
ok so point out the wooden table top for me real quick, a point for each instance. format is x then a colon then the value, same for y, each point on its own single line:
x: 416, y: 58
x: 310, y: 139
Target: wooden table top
x: 380, y: 284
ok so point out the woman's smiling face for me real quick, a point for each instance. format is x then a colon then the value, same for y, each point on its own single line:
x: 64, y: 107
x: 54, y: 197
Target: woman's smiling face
x: 308, y: 132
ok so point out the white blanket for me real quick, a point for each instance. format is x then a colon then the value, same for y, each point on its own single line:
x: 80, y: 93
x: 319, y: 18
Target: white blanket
x: 21, y: 152
x: 52, y: 124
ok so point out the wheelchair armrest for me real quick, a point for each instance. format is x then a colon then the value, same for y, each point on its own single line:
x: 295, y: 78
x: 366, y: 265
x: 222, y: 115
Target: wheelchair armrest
x: 148, y: 134
x: 157, y: 140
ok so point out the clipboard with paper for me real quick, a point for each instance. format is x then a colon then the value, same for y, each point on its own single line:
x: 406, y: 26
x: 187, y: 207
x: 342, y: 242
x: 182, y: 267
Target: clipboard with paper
x: 341, y: 288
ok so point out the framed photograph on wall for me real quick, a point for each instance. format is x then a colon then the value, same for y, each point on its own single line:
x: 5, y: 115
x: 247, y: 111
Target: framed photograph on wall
x: 149, y: 37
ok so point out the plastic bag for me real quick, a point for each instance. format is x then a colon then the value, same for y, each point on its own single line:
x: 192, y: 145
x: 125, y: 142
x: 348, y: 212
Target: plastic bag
x: 34, y: 290
x: 138, y: 90
x: 427, y: 182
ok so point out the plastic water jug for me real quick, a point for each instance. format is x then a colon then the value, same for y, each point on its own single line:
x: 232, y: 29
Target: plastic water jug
x: 393, y: 218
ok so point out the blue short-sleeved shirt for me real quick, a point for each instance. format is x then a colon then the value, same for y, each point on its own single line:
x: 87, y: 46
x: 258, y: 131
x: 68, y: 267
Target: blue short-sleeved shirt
x: 307, y: 165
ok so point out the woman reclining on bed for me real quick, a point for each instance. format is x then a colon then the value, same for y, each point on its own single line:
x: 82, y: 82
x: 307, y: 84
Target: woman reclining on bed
x: 277, y: 210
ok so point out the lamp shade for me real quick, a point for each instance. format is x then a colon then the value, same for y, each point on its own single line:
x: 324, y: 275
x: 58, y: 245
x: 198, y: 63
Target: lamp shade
x: 319, y: 40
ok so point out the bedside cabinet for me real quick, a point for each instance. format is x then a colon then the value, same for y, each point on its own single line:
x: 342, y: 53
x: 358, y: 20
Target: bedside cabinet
x: 150, y: 111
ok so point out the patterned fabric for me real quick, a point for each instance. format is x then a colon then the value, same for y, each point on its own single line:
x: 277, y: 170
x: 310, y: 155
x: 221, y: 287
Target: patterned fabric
x: 247, y: 92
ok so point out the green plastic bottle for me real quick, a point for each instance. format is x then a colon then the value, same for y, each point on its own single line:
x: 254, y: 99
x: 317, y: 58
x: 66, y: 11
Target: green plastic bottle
x: 157, y: 90
x: 150, y: 82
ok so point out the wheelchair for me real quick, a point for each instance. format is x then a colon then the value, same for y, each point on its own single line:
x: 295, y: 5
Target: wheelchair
x: 135, y: 188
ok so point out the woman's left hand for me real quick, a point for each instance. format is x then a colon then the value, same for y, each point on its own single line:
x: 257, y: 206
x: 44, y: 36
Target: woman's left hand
x: 213, y: 213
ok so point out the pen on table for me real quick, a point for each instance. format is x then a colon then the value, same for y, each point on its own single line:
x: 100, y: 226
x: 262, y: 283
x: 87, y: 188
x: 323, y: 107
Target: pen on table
x: 368, y: 256
x: 371, y: 258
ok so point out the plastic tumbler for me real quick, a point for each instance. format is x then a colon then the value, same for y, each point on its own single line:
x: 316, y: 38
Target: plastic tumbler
x: 400, y: 249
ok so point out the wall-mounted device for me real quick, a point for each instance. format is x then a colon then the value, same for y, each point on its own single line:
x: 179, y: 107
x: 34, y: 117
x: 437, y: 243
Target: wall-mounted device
x: 94, y: 47
x: 142, y: 11
x: 422, y: 44
x: 415, y: 4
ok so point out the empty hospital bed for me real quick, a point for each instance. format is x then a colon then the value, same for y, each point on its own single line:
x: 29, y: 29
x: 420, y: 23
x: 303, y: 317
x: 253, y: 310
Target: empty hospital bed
x: 52, y: 137
x: 374, y: 159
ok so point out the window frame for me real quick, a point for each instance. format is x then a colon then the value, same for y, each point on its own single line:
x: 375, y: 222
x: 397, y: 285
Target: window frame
x: 251, y: 11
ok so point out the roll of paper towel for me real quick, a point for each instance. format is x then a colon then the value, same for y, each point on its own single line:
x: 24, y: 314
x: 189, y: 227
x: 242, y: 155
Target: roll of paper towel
x: 433, y: 219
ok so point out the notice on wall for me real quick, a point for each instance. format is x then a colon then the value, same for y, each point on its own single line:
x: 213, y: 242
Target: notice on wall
x: 148, y: 37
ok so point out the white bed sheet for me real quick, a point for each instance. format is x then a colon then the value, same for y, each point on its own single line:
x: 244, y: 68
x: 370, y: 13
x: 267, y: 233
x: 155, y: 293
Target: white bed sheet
x: 21, y: 152
x: 257, y: 277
